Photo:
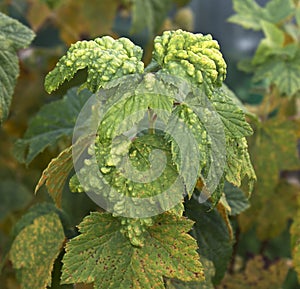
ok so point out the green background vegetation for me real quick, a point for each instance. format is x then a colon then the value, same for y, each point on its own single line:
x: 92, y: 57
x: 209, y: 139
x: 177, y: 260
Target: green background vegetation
x: 262, y: 250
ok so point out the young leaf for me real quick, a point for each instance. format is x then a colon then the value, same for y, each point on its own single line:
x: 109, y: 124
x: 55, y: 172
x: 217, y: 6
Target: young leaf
x: 194, y: 57
x: 103, y: 255
x: 35, y: 249
x: 105, y: 59
x: 156, y: 12
x: 212, y: 236
x: 13, y: 36
x: 53, y: 122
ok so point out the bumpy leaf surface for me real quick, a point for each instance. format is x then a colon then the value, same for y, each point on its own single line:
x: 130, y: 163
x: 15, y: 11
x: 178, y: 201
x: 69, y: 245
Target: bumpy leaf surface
x: 35, y: 249
x: 184, y: 123
x: 13, y: 36
x: 103, y: 255
x: 52, y: 123
x: 212, y: 236
x: 194, y: 57
x: 104, y: 58
x: 249, y: 13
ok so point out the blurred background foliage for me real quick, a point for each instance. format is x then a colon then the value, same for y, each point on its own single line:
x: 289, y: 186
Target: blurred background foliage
x: 262, y: 252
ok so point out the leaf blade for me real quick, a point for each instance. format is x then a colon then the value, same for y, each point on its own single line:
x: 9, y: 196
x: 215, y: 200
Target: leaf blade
x: 131, y: 266
x: 46, y: 236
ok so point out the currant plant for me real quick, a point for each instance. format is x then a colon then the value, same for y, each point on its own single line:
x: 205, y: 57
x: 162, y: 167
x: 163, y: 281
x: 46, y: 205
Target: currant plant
x: 142, y: 238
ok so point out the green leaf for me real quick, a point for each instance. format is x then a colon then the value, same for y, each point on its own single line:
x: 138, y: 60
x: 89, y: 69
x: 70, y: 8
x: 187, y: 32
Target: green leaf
x: 285, y: 74
x: 105, y: 59
x: 232, y: 144
x: 236, y: 199
x: 103, y: 255
x: 13, y: 196
x: 35, y: 249
x: 279, y: 10
x: 194, y: 57
x: 185, y: 124
x: 258, y: 274
x: 148, y: 172
x: 132, y: 107
x: 232, y: 116
x: 156, y: 12
x: 13, y: 36
x: 212, y: 236
x: 273, y: 41
x: 273, y: 45
x: 295, y: 240
x: 53, y: 122
x: 249, y: 13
